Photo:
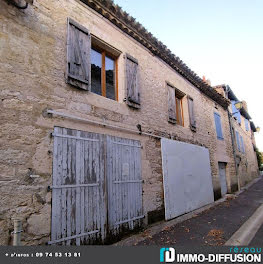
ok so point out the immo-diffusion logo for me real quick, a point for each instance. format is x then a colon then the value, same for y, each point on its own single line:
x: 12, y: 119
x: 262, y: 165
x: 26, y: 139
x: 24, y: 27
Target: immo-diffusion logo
x: 167, y: 255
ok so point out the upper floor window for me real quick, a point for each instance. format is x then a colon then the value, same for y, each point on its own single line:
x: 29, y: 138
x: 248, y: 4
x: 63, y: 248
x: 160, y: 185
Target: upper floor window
x: 218, y: 126
x: 175, y: 106
x: 103, y: 73
x: 91, y: 63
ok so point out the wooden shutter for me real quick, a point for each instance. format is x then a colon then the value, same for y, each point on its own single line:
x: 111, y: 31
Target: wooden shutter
x: 171, y: 104
x: 191, y: 114
x: 237, y: 139
x: 78, y: 55
x: 218, y: 126
x: 246, y: 124
x: 242, y: 144
x: 132, y: 82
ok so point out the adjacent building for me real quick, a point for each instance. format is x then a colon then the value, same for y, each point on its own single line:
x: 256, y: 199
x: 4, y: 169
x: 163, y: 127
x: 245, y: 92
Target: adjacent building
x: 103, y: 129
x: 242, y: 130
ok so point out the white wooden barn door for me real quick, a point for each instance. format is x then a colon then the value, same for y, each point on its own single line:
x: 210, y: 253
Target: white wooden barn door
x: 124, y: 185
x: 97, y: 187
x: 78, y: 198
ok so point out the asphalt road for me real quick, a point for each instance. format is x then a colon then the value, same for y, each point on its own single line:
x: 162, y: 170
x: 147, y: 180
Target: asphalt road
x: 258, y: 238
x: 213, y: 226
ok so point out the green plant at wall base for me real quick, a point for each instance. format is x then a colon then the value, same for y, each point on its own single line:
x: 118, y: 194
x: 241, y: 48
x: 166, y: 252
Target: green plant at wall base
x: 260, y: 159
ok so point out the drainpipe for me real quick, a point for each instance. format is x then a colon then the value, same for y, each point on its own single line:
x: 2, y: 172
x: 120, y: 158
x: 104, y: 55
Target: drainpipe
x: 233, y: 142
x: 17, y: 232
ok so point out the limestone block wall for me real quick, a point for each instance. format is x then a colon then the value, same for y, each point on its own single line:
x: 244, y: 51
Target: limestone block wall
x: 32, y: 72
x: 247, y: 161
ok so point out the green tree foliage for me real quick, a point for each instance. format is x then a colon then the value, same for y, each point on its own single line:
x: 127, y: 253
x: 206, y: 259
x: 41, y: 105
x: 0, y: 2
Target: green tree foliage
x: 260, y: 159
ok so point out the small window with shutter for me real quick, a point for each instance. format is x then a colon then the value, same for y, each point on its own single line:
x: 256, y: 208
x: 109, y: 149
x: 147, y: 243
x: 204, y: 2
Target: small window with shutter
x: 191, y: 113
x: 175, y: 105
x: 132, y: 82
x: 78, y: 55
x: 92, y: 63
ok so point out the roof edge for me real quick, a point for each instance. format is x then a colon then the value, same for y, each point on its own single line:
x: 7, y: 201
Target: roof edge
x: 253, y: 127
x: 130, y: 26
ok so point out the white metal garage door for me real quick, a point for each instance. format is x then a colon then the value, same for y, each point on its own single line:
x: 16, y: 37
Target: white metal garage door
x: 186, y: 176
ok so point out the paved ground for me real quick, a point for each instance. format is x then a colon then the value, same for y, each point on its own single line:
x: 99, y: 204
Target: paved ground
x: 211, y: 227
x: 258, y: 239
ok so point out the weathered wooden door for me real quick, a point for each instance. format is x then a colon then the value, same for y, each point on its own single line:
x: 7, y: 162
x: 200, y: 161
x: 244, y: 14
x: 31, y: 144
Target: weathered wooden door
x: 222, y: 177
x: 97, y: 187
x: 78, y: 197
x: 124, y: 182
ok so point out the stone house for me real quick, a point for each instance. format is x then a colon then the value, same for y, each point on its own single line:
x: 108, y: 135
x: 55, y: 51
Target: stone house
x: 244, y: 144
x: 100, y: 124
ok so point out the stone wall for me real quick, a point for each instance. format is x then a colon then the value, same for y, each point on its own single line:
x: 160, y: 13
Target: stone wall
x: 32, y: 72
x: 247, y: 161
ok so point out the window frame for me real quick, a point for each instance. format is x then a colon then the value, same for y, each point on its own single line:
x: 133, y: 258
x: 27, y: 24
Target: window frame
x: 105, y: 53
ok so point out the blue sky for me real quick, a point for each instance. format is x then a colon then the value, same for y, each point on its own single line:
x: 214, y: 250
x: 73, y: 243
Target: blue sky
x: 221, y: 39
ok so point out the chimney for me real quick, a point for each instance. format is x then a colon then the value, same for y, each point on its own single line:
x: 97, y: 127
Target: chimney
x: 206, y: 80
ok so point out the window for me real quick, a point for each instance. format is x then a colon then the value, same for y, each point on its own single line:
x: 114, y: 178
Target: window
x: 218, y: 126
x: 236, y: 112
x: 179, y: 110
x: 103, y: 73
x: 246, y: 125
x: 91, y: 63
x: 175, y: 109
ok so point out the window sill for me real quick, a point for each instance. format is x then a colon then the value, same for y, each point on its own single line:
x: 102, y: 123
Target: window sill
x: 101, y: 96
x: 106, y: 103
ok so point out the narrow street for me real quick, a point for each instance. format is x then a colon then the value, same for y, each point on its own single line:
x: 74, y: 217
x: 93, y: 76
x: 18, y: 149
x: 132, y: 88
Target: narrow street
x: 258, y: 239
x: 212, y: 227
